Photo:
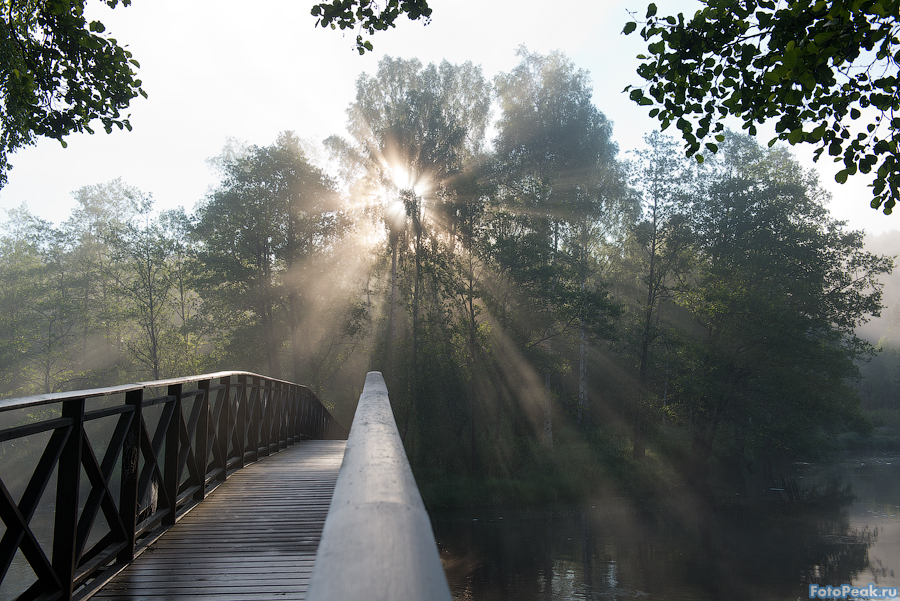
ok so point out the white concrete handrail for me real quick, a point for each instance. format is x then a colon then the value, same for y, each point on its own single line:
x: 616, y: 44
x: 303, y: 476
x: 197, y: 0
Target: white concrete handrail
x: 377, y: 543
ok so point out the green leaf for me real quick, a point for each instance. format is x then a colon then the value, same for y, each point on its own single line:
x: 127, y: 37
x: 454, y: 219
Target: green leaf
x: 651, y: 10
x: 841, y: 176
x: 629, y: 27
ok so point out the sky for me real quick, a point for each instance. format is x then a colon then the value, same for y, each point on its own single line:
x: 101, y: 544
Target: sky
x: 220, y: 69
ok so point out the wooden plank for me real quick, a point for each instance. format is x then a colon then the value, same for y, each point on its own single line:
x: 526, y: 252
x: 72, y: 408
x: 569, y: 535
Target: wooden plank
x: 254, y: 538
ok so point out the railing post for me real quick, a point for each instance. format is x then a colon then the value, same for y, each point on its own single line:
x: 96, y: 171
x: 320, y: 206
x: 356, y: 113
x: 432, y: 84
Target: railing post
x: 296, y: 414
x: 304, y: 412
x: 171, y: 471
x: 242, y: 419
x: 128, y: 490
x: 252, y: 418
x: 266, y: 416
x: 201, y: 450
x: 226, y: 422
x: 278, y: 417
x: 285, y: 420
x: 68, y: 498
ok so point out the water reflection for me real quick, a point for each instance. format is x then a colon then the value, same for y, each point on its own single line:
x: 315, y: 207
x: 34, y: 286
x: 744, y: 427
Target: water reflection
x: 624, y: 550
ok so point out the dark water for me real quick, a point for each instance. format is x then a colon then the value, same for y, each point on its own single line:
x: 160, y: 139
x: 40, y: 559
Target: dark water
x: 620, y: 549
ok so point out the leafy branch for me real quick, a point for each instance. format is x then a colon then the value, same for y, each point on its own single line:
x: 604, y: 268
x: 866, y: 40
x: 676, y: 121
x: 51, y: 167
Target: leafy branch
x: 759, y: 61
x: 366, y: 15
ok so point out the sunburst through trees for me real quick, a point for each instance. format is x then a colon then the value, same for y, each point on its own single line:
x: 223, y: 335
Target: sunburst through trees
x: 544, y: 311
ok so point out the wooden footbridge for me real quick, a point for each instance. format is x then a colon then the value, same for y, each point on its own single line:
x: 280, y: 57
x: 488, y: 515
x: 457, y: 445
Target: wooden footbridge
x: 227, y: 486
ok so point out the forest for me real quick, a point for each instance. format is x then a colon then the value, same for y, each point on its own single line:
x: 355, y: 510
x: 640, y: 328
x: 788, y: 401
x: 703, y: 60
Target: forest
x: 547, y: 312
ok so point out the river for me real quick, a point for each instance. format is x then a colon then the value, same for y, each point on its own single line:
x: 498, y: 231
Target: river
x: 621, y: 549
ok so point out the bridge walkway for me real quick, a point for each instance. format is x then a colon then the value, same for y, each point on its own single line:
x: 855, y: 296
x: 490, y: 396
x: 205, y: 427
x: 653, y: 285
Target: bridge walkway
x: 254, y: 537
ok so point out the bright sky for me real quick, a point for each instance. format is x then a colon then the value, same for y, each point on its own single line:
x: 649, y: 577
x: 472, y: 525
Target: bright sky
x: 216, y: 69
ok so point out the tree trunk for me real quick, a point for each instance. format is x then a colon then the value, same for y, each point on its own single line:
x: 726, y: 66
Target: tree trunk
x: 582, y: 377
x: 296, y: 338
x: 392, y: 325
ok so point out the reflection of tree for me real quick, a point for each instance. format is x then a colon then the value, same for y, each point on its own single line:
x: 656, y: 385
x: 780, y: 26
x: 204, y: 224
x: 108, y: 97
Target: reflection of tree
x: 760, y: 552
x: 764, y: 553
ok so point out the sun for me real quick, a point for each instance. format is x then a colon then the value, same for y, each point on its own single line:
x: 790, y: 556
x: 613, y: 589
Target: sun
x: 405, y: 179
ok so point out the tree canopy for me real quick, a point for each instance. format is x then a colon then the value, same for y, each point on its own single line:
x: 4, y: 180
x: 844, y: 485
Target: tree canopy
x: 364, y: 14
x: 824, y: 72
x: 58, y: 73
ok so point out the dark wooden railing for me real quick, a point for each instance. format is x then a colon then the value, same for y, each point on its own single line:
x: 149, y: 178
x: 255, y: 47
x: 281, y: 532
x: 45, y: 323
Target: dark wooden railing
x: 107, y: 471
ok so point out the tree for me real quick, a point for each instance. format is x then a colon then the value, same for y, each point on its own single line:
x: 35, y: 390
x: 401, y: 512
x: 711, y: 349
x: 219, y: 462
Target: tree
x: 178, y: 228
x: 560, y: 191
x: 146, y: 250
x: 656, y: 255
x: 416, y: 133
x: 20, y: 264
x: 38, y: 314
x: 415, y: 129
x: 263, y: 229
x: 807, y: 65
x: 101, y: 210
x: 58, y: 73
x: 778, y: 292
x: 348, y: 14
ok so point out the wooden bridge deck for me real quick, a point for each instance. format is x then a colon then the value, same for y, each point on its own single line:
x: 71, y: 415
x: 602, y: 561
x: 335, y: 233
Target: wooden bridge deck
x: 254, y: 538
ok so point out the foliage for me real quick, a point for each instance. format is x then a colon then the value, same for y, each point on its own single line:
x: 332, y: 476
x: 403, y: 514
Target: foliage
x: 557, y: 181
x: 146, y: 285
x: 38, y: 313
x: 657, y: 254
x: 416, y: 130
x: 101, y: 211
x: 58, y: 73
x: 268, y: 233
x: 778, y: 292
x: 560, y: 194
x: 808, y: 66
x: 417, y: 124
x: 348, y: 14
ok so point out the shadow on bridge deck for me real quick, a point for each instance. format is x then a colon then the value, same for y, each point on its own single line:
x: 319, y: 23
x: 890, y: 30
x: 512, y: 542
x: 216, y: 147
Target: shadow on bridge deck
x: 254, y: 537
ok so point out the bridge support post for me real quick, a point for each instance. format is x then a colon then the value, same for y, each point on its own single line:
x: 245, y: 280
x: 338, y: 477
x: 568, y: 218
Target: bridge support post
x: 131, y: 450
x: 171, y: 476
x: 225, y: 426
x: 201, y: 451
x: 65, y: 528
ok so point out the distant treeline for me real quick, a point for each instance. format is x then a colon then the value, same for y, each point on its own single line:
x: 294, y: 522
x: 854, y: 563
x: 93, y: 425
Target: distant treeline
x: 540, y: 306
